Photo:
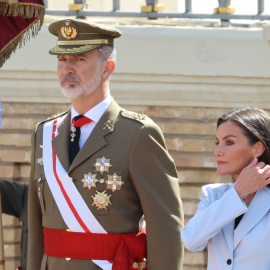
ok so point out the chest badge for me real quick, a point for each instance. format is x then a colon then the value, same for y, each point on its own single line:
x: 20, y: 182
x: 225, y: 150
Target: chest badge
x: 114, y: 182
x: 101, y: 200
x: 40, y: 161
x: 89, y: 180
x: 103, y: 165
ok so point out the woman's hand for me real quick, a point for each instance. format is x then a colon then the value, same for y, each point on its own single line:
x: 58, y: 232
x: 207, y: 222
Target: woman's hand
x: 252, y: 178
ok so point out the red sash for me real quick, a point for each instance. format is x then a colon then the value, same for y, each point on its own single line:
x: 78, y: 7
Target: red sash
x: 126, y: 251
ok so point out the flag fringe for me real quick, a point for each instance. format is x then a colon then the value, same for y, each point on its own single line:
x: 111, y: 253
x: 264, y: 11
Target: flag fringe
x: 28, y: 11
x: 24, y: 10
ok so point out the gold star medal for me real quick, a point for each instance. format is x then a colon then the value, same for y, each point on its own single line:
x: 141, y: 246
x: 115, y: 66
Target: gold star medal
x: 89, y: 180
x: 114, y: 182
x: 102, y: 165
x: 101, y: 200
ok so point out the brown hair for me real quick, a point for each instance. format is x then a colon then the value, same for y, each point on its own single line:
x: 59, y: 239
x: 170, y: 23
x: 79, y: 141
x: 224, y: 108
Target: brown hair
x: 255, y: 124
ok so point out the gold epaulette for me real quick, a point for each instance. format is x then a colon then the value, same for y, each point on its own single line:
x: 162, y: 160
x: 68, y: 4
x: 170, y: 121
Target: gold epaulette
x: 133, y: 115
x: 55, y: 115
x: 50, y: 118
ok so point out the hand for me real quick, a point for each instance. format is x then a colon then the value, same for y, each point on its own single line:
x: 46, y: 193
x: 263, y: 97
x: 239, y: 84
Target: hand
x: 252, y: 178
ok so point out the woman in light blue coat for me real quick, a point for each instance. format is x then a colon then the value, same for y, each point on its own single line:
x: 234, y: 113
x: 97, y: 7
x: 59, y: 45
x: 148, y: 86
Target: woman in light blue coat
x: 233, y: 220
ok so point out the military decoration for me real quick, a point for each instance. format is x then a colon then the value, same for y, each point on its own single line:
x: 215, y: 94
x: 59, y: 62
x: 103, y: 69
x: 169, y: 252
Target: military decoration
x: 140, y: 266
x: 89, y: 180
x: 114, y: 182
x: 69, y: 31
x: 39, y: 194
x: 102, y: 165
x: 108, y: 125
x: 101, y: 200
x: 72, y: 134
x: 40, y: 161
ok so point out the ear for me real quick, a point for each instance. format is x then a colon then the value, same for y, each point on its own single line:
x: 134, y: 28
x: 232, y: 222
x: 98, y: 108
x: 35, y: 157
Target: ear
x: 259, y: 148
x: 109, y: 68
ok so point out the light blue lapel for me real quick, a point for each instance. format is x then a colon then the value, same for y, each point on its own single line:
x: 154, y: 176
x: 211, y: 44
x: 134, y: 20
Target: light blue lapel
x: 228, y: 233
x: 228, y: 230
x: 259, y: 206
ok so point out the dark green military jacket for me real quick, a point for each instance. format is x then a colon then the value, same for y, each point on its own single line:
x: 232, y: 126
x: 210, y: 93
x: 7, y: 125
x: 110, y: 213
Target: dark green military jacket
x: 137, y: 152
x: 14, y: 202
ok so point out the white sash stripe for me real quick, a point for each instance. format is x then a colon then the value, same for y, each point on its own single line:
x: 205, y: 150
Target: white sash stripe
x: 79, y: 204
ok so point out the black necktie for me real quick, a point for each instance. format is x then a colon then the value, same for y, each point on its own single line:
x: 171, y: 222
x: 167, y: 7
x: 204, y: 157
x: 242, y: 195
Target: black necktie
x: 75, y: 134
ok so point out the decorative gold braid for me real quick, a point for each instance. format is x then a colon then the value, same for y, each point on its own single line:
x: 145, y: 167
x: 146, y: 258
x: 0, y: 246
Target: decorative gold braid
x: 74, y: 50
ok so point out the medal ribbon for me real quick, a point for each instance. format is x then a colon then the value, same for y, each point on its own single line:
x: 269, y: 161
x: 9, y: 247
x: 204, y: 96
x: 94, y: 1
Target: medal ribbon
x: 72, y: 207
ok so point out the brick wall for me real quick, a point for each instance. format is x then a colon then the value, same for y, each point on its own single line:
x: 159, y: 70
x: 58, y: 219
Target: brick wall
x: 190, y: 138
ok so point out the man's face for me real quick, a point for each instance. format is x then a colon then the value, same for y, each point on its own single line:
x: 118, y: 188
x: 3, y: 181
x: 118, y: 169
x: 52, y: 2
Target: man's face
x: 80, y: 74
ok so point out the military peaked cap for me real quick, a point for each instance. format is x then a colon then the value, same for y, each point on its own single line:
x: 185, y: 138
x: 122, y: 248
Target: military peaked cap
x: 76, y: 37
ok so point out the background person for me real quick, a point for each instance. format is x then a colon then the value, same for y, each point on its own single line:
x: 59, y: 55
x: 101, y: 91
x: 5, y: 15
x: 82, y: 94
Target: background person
x: 14, y: 198
x: 232, y: 220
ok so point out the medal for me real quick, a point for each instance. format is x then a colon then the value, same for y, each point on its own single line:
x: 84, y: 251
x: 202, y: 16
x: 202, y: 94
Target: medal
x: 73, y: 135
x: 101, y: 200
x: 114, y: 182
x: 89, y: 180
x: 40, y: 161
x: 102, y: 165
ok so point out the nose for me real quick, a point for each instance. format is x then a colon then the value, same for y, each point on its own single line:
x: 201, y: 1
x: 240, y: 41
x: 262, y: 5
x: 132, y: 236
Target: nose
x: 66, y: 68
x: 218, y: 151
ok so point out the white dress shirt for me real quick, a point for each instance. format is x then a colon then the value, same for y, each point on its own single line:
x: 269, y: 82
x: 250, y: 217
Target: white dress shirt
x: 94, y: 114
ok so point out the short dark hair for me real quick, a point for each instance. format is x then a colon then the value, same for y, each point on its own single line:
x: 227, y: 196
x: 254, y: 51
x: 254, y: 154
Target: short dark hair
x: 255, y: 124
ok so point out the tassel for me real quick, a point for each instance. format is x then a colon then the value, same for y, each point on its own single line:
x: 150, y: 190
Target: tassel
x: 11, y: 2
x: 26, y: 35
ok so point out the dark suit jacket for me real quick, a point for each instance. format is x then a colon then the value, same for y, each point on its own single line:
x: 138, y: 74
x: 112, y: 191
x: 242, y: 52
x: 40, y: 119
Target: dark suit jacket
x: 14, y: 202
x: 150, y: 191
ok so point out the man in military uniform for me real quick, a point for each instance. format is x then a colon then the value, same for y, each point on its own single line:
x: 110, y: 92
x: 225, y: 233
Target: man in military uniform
x: 98, y: 171
x: 14, y: 202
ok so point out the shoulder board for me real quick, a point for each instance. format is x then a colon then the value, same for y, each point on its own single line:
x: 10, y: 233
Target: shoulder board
x: 50, y: 118
x: 55, y: 116
x: 134, y: 115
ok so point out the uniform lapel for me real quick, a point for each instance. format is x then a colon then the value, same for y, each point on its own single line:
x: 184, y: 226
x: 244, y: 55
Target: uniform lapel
x: 60, y: 142
x: 97, y: 138
x: 259, y: 206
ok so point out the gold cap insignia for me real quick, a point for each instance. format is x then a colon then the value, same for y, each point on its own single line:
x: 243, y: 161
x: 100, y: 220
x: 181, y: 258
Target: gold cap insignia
x: 114, y: 182
x: 101, y: 200
x: 69, y: 31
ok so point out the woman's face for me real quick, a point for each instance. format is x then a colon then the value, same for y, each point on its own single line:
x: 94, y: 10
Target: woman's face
x: 233, y: 152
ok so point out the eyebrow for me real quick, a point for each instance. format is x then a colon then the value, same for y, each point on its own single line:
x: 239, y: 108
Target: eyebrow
x: 226, y: 137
